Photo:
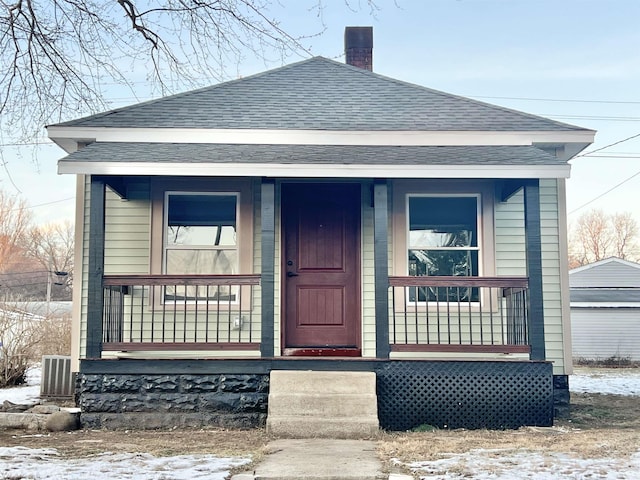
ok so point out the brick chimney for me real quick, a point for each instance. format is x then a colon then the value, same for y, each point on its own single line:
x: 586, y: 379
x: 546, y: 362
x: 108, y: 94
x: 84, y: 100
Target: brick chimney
x: 358, y: 47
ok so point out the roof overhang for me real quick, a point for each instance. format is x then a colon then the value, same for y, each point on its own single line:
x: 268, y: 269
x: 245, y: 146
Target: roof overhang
x: 573, y: 141
x: 314, y: 161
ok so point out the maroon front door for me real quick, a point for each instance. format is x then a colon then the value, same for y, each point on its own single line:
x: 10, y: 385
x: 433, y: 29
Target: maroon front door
x: 321, y: 269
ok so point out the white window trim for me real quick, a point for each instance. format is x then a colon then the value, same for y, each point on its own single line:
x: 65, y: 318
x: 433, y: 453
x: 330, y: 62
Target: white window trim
x: 165, y: 226
x: 483, y: 190
x: 243, y: 188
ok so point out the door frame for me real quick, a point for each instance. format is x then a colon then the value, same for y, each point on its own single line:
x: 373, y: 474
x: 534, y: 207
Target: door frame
x: 321, y: 352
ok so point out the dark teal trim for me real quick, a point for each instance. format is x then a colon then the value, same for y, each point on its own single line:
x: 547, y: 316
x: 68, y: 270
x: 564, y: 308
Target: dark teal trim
x: 268, y: 250
x: 533, y: 246
x: 95, y: 294
x: 381, y: 266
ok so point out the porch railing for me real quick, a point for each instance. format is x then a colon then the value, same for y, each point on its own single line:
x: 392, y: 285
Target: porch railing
x: 181, y: 312
x: 459, y: 314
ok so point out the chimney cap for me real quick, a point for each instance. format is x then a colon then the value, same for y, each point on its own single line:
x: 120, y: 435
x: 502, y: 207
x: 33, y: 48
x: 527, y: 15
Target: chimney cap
x: 358, y: 37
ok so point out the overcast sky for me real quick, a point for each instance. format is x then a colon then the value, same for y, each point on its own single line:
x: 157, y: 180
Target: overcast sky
x: 570, y: 60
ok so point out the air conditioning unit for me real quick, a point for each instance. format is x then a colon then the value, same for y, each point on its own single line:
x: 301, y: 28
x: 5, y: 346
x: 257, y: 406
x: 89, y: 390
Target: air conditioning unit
x: 57, y: 379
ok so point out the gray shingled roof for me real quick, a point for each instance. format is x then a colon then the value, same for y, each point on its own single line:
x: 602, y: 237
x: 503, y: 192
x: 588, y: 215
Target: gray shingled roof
x: 99, y: 152
x: 598, y: 295
x: 320, y: 94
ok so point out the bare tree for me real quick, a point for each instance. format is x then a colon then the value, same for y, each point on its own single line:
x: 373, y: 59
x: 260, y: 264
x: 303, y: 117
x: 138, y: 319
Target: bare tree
x: 597, y: 235
x: 15, y: 221
x: 625, y: 231
x: 59, y: 57
x: 52, y: 246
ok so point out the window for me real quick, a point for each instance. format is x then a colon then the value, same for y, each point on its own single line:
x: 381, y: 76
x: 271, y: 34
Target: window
x: 443, y: 241
x: 200, y: 238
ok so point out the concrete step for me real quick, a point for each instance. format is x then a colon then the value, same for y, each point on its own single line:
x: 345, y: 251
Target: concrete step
x: 305, y: 404
x: 322, y: 382
x: 303, y: 426
x: 323, y: 404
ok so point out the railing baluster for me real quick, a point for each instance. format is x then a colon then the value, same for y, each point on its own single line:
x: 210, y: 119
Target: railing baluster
x: 447, y: 293
x: 133, y: 297
x: 459, y: 316
x: 491, y: 315
x: 470, y: 310
x: 240, y: 314
x: 415, y: 312
x: 206, y: 317
x: 142, y: 314
x: 184, y: 314
x: 163, y: 299
x: 217, y: 313
x: 426, y: 314
x: 152, y: 300
x: 175, y: 310
x: 393, y: 316
x: 229, y: 318
x: 195, y: 315
x: 250, y: 314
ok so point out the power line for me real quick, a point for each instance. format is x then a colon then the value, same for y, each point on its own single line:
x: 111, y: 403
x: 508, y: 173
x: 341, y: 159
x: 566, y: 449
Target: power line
x: 567, y: 100
x: 603, y: 194
x: 52, y: 202
x: 24, y: 273
x: 610, y: 145
x: 614, y: 156
x: 24, y: 144
x: 591, y: 117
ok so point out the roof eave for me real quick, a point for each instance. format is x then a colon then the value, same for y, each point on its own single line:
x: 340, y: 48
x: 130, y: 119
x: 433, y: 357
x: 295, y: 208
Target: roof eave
x: 293, y: 170
x: 563, y: 142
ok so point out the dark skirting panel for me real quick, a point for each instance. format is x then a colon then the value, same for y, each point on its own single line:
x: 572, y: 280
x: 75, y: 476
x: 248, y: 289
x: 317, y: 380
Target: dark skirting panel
x: 470, y: 395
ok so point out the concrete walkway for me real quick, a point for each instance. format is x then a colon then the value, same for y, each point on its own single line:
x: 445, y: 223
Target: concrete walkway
x: 320, y: 459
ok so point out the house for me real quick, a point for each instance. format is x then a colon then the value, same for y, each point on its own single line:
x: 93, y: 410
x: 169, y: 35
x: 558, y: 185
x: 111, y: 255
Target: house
x: 605, y: 310
x: 321, y: 217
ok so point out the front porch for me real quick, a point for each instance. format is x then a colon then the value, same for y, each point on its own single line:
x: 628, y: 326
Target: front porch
x: 198, y: 349
x: 244, y: 315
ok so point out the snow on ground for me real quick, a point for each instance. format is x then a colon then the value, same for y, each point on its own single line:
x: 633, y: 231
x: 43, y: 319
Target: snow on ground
x: 26, y: 394
x: 610, y: 381
x: 505, y: 464
x: 46, y: 463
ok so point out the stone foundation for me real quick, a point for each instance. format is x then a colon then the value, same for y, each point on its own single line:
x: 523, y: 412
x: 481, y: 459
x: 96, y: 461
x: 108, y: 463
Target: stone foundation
x: 164, y: 401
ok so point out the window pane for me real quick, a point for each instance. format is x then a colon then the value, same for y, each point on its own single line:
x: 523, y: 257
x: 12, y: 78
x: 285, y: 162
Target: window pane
x: 208, y: 220
x: 443, y: 222
x: 221, y: 262
x: 443, y: 262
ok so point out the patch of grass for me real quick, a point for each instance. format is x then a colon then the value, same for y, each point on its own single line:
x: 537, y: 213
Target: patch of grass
x: 425, y: 427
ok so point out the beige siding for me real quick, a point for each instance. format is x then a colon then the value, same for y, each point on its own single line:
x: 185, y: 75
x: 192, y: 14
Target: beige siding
x: 127, y: 231
x: 368, y: 277
x: 509, y: 237
x: 552, y: 273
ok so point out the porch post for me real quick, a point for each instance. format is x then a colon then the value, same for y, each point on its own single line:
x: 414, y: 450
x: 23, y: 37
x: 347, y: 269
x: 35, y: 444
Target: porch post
x: 268, y: 249
x: 95, y: 293
x: 534, y: 268
x: 381, y: 266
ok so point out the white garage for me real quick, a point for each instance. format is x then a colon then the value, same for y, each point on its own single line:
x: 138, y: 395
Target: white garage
x: 605, y: 310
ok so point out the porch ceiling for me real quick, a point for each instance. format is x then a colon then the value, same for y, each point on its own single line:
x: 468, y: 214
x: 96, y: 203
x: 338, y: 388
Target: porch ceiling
x: 144, y: 158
